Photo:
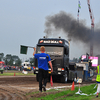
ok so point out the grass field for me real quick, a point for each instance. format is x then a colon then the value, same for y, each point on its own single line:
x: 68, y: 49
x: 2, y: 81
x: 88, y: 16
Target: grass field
x: 87, y: 91
x: 14, y: 72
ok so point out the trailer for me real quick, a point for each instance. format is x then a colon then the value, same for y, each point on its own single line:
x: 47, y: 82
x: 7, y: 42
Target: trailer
x: 58, y: 49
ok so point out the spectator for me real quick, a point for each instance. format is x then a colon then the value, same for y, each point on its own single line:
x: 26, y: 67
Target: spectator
x: 98, y: 79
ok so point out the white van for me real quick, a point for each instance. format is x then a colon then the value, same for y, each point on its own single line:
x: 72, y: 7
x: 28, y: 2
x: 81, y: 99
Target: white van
x: 26, y: 66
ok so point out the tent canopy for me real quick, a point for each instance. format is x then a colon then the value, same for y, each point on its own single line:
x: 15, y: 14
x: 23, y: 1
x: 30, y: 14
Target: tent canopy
x: 1, y: 62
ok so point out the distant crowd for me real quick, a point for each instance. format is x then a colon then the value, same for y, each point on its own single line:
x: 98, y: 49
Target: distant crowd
x: 7, y: 67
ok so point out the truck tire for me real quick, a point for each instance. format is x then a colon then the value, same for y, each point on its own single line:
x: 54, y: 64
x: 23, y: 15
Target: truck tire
x: 64, y: 78
x: 91, y: 73
x: 37, y: 77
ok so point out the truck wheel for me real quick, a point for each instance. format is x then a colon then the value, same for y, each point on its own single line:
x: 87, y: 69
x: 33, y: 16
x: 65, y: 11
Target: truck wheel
x: 64, y: 78
x: 91, y: 73
x: 37, y: 77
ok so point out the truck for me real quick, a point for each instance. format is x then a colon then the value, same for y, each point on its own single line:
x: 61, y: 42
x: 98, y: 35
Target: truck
x: 58, y: 49
x: 84, y: 71
x: 86, y: 66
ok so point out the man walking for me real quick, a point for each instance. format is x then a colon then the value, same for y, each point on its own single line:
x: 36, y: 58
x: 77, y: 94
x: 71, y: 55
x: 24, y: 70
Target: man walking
x: 43, y: 60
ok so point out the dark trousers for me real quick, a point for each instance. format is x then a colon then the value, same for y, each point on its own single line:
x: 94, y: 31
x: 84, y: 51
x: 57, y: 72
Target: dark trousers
x: 43, y: 76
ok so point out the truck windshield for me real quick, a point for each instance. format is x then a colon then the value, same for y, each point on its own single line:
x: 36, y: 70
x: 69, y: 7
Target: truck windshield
x: 52, y: 50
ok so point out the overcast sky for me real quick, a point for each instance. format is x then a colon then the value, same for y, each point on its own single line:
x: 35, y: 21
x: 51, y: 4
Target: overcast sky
x: 22, y: 22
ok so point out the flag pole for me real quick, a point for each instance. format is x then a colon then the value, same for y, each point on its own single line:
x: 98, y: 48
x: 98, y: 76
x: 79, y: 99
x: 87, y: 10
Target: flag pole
x: 78, y: 11
x: 27, y: 46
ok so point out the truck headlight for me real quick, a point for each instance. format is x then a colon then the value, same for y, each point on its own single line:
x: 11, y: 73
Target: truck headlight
x: 59, y: 72
x: 36, y: 72
x: 36, y: 68
x: 59, y: 69
x: 49, y: 69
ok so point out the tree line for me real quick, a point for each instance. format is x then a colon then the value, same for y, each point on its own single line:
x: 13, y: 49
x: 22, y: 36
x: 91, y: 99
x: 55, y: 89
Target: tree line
x: 14, y: 60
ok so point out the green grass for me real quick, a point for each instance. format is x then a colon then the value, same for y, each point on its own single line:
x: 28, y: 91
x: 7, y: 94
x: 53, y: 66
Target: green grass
x: 70, y: 95
x: 17, y: 73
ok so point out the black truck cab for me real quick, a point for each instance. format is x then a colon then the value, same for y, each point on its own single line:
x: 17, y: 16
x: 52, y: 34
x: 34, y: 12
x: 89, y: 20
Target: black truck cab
x: 58, y: 49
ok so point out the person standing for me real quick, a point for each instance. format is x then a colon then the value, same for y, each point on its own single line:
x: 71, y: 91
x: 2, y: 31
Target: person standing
x: 98, y: 79
x: 43, y: 60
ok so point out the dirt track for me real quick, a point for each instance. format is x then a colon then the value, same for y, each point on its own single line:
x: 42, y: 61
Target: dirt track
x: 16, y: 88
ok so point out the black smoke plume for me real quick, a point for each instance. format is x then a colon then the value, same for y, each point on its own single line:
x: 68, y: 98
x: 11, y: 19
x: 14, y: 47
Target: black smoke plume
x: 76, y: 31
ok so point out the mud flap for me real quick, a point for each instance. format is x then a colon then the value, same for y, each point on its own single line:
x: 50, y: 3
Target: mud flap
x: 64, y: 78
x: 75, y: 78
